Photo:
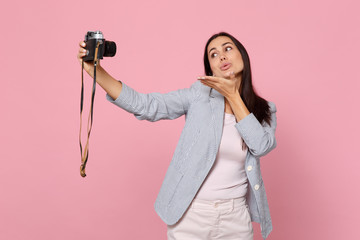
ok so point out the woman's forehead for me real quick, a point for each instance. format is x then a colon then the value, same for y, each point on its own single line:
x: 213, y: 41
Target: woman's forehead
x: 219, y: 41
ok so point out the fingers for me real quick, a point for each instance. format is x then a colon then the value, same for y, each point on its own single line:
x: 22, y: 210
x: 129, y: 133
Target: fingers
x: 82, y: 51
x: 209, y: 78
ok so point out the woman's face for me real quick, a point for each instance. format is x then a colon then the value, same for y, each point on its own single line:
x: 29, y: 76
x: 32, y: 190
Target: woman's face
x: 224, y: 57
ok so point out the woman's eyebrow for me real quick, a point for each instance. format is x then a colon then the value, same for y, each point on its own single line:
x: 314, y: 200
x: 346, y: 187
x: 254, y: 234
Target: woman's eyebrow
x: 221, y: 45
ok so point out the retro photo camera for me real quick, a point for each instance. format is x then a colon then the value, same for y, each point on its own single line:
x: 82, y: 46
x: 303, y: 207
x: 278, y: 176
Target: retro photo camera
x: 106, y: 48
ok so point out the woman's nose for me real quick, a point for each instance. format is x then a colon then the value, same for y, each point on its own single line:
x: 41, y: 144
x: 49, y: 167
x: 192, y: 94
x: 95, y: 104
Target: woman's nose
x: 222, y: 57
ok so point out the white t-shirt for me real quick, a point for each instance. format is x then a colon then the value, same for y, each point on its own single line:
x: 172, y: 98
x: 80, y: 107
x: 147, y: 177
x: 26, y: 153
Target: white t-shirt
x: 227, y: 178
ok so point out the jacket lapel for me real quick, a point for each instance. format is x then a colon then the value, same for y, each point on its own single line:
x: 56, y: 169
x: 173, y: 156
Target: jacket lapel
x: 217, y: 106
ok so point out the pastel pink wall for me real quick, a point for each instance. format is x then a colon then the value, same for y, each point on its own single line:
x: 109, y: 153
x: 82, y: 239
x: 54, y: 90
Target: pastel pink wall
x: 305, y: 58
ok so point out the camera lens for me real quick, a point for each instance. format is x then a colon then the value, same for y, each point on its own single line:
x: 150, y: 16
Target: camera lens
x: 110, y: 49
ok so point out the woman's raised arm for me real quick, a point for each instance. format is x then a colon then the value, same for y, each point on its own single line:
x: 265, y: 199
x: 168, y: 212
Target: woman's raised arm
x: 151, y: 106
x: 156, y: 106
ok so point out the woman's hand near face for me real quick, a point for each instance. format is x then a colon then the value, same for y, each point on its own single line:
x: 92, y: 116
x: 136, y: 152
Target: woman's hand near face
x: 227, y: 87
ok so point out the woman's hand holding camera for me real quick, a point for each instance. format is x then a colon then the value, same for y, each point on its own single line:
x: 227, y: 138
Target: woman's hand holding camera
x: 105, y: 80
x: 88, y: 66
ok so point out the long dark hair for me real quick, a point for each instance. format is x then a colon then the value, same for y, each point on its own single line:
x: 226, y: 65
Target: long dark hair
x: 255, y: 104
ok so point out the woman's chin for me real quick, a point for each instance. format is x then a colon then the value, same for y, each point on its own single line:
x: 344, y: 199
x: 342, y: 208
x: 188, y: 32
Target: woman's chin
x: 227, y: 74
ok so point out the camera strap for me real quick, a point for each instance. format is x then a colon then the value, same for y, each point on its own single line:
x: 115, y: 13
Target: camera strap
x: 85, y: 154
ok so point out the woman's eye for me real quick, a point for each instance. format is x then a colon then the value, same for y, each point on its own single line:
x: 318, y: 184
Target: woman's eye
x: 213, y: 55
x: 228, y: 48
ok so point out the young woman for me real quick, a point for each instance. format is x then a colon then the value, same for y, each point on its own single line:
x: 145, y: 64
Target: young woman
x: 213, y: 188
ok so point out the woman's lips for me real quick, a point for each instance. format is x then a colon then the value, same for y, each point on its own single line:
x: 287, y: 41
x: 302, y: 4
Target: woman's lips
x: 225, y: 66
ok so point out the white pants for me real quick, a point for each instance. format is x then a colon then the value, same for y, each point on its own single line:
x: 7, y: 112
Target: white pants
x: 208, y: 220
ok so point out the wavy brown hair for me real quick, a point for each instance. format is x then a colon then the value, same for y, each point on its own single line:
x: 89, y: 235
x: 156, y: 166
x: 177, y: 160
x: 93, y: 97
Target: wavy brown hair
x: 255, y: 104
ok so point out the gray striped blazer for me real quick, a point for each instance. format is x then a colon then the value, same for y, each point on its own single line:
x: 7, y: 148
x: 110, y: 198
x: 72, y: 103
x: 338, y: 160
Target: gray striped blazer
x: 198, y: 145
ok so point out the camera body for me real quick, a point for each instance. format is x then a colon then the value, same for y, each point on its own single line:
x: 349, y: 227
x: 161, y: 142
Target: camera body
x: 106, y: 48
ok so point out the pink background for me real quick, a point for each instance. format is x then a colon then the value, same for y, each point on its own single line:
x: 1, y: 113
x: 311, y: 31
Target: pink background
x: 305, y: 58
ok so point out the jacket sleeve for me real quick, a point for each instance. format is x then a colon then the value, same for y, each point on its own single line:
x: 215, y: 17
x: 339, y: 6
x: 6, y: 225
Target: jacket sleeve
x: 260, y: 138
x: 156, y: 106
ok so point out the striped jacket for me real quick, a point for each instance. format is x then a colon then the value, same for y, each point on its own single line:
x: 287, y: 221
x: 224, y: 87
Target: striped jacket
x: 198, y: 145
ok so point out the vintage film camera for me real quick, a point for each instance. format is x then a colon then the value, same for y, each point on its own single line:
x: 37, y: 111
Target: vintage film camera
x: 106, y: 48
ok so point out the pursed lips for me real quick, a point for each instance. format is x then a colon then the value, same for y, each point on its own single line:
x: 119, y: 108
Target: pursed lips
x: 225, y: 66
